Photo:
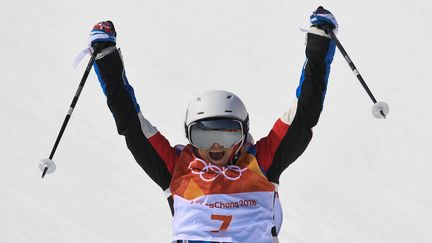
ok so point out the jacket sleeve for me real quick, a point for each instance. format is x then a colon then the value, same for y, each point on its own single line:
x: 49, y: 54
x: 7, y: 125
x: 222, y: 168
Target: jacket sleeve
x: 150, y: 149
x: 292, y: 133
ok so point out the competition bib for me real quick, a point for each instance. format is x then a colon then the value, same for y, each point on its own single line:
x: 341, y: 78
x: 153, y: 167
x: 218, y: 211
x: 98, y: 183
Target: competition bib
x: 231, y: 203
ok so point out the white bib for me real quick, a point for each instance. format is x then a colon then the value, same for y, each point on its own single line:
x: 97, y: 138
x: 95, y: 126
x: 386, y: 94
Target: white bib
x: 240, y: 217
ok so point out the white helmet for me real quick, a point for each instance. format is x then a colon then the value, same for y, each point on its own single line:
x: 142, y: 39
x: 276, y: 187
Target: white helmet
x: 216, y: 103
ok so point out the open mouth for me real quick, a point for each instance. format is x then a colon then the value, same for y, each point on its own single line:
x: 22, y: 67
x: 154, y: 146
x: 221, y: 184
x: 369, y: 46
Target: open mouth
x: 217, y: 155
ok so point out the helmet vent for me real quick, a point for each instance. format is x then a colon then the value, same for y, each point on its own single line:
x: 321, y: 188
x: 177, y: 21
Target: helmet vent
x: 229, y: 97
x: 200, y: 113
x: 228, y: 111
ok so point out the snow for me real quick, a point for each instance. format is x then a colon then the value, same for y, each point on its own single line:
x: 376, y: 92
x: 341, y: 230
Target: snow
x: 360, y: 180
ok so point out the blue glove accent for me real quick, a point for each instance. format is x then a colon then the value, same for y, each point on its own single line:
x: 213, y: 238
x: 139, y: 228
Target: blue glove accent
x: 323, y: 17
x: 103, y: 32
x: 101, y: 36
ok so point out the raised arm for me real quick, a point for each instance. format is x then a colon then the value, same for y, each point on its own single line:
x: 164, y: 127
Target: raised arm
x: 150, y: 149
x: 292, y: 133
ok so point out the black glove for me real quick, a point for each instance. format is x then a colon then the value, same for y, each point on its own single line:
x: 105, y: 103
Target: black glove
x: 102, y: 35
x: 324, y: 19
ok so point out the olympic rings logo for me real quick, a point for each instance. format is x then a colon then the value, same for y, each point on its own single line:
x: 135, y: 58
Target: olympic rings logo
x: 209, y: 172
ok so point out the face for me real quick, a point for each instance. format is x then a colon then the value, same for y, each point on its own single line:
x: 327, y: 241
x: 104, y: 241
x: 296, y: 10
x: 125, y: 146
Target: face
x: 216, y: 154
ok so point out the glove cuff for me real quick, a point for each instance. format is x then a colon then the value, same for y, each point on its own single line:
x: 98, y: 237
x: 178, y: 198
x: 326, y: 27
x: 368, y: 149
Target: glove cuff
x: 318, y: 31
x: 105, y: 52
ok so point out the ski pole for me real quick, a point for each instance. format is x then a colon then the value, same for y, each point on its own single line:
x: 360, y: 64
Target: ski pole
x: 48, y: 165
x: 380, y: 109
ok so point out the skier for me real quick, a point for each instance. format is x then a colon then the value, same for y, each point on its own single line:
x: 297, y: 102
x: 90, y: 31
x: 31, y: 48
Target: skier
x: 222, y: 186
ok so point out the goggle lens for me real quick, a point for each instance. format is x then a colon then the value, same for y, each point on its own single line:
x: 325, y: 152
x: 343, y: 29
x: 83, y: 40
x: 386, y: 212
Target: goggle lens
x: 225, y: 132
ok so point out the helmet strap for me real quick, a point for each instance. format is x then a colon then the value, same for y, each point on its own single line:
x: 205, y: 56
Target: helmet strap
x: 235, y: 155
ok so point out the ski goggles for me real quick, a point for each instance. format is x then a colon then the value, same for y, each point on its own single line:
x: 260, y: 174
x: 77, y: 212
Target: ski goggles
x: 225, y: 132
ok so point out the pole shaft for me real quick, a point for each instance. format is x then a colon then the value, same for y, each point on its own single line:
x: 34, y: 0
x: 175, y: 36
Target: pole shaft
x: 351, y: 64
x: 74, y: 101
x: 44, y: 171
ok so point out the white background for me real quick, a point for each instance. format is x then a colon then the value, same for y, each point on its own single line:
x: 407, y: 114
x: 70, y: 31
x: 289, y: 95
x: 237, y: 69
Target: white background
x: 360, y: 180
